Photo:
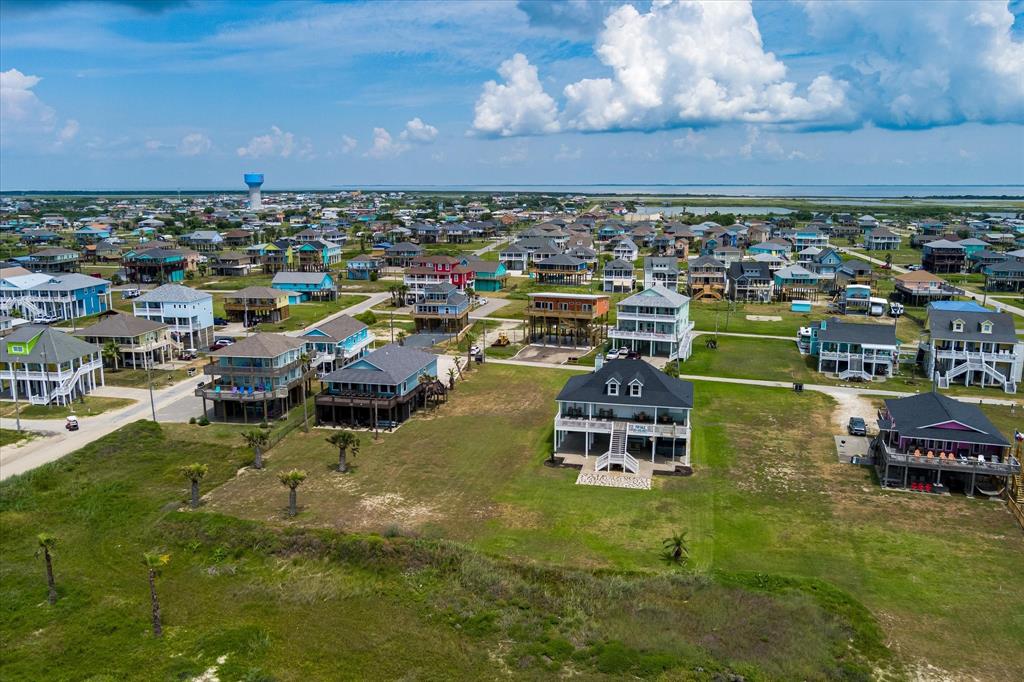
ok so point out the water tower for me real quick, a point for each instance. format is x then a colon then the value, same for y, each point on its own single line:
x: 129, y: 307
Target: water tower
x: 254, y: 181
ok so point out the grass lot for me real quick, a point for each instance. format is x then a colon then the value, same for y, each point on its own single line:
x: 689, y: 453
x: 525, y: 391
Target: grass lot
x: 92, y: 406
x: 12, y: 436
x: 244, y: 593
x: 231, y: 283
x: 909, y: 327
x: 748, y: 358
x: 136, y: 378
x: 768, y: 496
x: 311, y: 312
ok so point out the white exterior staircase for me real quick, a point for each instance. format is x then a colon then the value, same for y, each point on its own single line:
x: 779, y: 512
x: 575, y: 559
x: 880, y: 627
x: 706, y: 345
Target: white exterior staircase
x: 617, y: 454
x: 855, y: 369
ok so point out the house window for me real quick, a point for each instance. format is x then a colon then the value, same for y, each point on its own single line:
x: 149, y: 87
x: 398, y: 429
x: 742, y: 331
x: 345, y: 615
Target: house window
x: 958, y: 325
x: 986, y: 327
x: 635, y: 389
x: 613, y: 387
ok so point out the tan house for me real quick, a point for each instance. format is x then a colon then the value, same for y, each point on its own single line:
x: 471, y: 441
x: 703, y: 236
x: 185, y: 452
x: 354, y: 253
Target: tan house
x: 258, y: 304
x: 139, y: 341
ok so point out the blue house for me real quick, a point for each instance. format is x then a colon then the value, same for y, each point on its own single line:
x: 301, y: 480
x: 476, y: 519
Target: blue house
x: 90, y: 234
x: 337, y: 343
x: 489, y: 275
x: 826, y: 264
x: 363, y: 267
x: 310, y: 285
x: 65, y: 296
x: 381, y: 389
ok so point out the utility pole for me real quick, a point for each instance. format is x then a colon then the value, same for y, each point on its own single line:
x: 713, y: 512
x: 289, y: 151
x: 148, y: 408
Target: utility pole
x: 14, y: 390
x: 149, y: 381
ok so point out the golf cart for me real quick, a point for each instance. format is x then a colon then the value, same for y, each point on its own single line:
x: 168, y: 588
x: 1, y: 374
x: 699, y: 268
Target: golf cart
x: 71, y: 423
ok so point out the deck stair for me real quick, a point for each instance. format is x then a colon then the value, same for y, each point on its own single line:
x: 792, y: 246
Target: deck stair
x: 617, y: 454
x: 977, y: 366
x: 855, y: 369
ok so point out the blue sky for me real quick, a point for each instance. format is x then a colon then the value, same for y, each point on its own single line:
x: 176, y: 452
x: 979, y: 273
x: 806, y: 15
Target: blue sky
x: 165, y: 94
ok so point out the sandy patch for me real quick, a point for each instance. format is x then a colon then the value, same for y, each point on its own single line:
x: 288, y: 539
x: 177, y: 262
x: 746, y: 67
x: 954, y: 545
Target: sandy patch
x: 764, y: 318
x: 850, y: 405
x: 393, y: 508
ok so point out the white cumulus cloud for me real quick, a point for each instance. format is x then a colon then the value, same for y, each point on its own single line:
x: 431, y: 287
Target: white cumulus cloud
x: 418, y: 131
x: 519, y: 106
x: 194, y: 144
x: 275, y: 143
x: 25, y: 118
x: 348, y: 144
x: 692, y: 63
x: 384, y: 146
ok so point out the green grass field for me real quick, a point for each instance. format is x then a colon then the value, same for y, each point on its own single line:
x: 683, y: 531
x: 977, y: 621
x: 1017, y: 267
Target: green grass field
x: 136, y: 378
x: 768, y: 496
x: 90, y: 407
x: 12, y: 436
x: 311, y: 312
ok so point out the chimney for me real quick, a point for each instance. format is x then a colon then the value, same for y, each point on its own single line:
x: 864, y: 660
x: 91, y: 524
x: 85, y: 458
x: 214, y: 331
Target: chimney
x: 598, y: 360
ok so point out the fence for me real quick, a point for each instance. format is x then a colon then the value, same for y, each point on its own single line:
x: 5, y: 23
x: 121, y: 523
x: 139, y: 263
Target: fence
x: 1016, y: 509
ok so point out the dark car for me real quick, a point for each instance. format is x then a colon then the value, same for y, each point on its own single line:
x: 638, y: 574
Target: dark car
x: 220, y: 321
x: 857, y: 427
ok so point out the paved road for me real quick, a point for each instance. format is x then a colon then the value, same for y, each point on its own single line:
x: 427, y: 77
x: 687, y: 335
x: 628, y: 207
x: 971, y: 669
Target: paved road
x: 998, y: 305
x: 486, y: 309
x: 361, y: 307
x: 56, y: 442
x: 490, y: 247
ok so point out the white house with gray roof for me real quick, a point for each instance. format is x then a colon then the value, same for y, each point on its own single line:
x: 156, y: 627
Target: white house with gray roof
x: 187, y: 313
x: 624, y: 412
x: 662, y: 270
x: 971, y: 345
x: 41, y: 365
x: 656, y: 322
x: 850, y: 350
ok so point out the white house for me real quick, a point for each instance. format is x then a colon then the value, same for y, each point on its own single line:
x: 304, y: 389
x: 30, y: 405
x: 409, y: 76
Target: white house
x: 626, y: 250
x: 655, y: 321
x: 972, y: 345
x: 188, y: 313
x: 41, y: 365
x: 624, y: 411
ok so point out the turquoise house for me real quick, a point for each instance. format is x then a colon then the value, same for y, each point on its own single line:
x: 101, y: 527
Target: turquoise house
x: 307, y: 285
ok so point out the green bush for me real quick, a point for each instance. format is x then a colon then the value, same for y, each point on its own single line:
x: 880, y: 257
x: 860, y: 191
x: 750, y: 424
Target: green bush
x: 264, y: 424
x: 203, y: 421
x: 191, y: 420
x: 368, y: 318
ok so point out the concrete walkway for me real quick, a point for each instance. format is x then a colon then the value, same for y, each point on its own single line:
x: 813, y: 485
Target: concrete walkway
x: 490, y: 247
x: 998, y: 305
x: 699, y: 332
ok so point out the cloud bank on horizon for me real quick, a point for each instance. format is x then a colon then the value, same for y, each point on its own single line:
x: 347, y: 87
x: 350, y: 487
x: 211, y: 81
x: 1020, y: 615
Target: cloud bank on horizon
x: 639, y: 91
x: 688, y: 63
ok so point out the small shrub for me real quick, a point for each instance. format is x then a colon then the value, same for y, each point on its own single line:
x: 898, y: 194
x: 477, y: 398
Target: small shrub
x: 191, y: 420
x: 203, y: 421
x: 264, y: 424
x: 368, y: 318
x: 373, y: 276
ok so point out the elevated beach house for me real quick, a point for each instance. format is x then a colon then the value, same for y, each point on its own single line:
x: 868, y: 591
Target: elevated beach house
x: 41, y: 365
x: 442, y: 308
x: 933, y: 443
x: 655, y: 321
x: 380, y: 389
x: 971, y: 345
x: 617, y: 276
x: 854, y: 351
x: 140, y: 342
x: 188, y: 313
x: 706, y: 279
x: 337, y: 343
x: 259, y: 304
x: 314, y: 285
x: 256, y: 379
x: 624, y: 412
x: 567, y: 319
x: 663, y: 270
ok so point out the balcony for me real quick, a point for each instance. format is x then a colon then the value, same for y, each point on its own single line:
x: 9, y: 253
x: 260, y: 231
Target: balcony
x: 655, y: 317
x: 866, y: 357
x: 366, y: 399
x: 975, y: 356
x: 572, y: 314
x: 642, y: 336
x: 214, y: 368
x: 969, y: 464
x: 663, y: 430
x: 211, y: 393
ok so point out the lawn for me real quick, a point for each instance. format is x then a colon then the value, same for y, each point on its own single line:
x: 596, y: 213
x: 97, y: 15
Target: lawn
x: 240, y: 599
x: 768, y: 496
x: 749, y: 358
x: 231, y: 283
x: 311, y: 312
x: 11, y: 436
x: 136, y: 378
x: 732, y: 317
x: 90, y: 407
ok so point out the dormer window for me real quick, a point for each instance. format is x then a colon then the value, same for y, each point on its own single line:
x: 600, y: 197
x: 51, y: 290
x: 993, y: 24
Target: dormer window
x: 635, y: 389
x: 958, y: 325
x: 613, y: 387
x: 986, y: 327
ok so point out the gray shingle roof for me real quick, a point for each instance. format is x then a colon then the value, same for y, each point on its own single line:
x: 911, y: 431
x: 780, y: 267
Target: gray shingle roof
x: 173, y: 293
x: 121, y: 325
x: 913, y: 416
x: 70, y: 282
x: 261, y: 346
x: 940, y: 325
x: 657, y: 295
x: 395, y: 364
x: 659, y: 389
x: 59, y: 347
x: 339, y: 329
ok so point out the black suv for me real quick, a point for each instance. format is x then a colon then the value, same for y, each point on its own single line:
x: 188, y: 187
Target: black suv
x: 857, y: 427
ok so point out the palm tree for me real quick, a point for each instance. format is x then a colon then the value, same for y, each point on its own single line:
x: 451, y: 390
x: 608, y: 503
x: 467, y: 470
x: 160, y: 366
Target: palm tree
x: 46, y: 544
x: 293, y: 479
x: 257, y: 440
x: 345, y: 441
x: 401, y: 338
x: 194, y: 473
x: 305, y: 360
x: 451, y: 378
x: 111, y: 352
x: 675, y: 550
x: 153, y: 563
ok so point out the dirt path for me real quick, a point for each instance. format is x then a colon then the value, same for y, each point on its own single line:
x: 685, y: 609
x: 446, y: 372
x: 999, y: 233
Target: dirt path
x: 850, y: 405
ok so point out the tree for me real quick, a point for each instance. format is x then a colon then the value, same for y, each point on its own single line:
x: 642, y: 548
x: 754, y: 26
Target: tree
x: 305, y: 360
x: 293, y: 479
x: 401, y: 338
x: 674, y: 549
x: 258, y: 441
x: 346, y: 442
x: 153, y: 563
x: 47, y: 543
x: 111, y: 352
x: 451, y: 378
x: 194, y: 473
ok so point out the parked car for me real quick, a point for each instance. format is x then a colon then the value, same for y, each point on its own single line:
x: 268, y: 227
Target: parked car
x: 133, y: 292
x: 857, y: 427
x: 623, y: 352
x: 220, y: 321
x: 913, y: 268
x: 612, y: 354
x: 221, y: 343
x: 189, y: 354
x: 45, y: 319
x: 474, y: 350
x: 895, y: 309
